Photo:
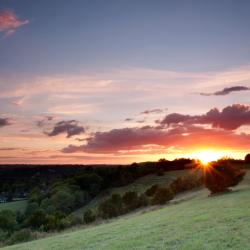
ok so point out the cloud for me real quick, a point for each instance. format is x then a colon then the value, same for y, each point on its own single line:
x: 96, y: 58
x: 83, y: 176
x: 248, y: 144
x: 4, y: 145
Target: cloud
x: 118, y: 139
x: 135, y: 139
x: 8, y: 149
x: 45, y: 120
x: 4, y: 122
x: 70, y: 128
x: 175, y: 130
x: 227, y: 91
x: 9, y: 22
x: 152, y: 111
x: 230, y: 118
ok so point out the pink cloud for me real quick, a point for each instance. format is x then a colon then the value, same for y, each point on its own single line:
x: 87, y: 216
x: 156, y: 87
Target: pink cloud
x: 230, y: 118
x: 9, y: 22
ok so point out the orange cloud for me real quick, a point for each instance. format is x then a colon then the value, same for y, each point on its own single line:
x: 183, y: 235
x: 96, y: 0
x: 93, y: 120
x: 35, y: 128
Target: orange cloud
x: 9, y: 22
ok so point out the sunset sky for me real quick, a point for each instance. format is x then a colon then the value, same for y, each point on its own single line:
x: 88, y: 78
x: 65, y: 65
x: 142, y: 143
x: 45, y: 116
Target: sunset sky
x: 122, y: 81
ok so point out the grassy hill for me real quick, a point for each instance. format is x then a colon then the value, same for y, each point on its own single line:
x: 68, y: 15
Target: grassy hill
x: 193, y: 221
x: 14, y: 205
x: 140, y: 186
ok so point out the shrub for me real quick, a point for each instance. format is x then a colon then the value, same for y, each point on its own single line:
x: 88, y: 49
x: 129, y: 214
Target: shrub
x: 107, y: 209
x: 37, y: 219
x: 21, y: 236
x: 151, y: 191
x: 89, y: 216
x: 219, y: 177
x: 162, y: 195
x: 7, y: 221
x: 185, y: 183
x: 130, y: 200
x: 143, y: 201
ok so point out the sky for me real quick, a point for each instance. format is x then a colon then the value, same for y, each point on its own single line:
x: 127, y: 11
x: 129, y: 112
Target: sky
x: 91, y: 81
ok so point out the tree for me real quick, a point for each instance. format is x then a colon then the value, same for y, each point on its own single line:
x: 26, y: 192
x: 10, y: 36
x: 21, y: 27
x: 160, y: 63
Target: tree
x: 247, y: 158
x: 88, y: 216
x: 218, y: 177
x: 151, y: 191
x: 7, y: 221
x: 130, y: 200
x: 162, y: 195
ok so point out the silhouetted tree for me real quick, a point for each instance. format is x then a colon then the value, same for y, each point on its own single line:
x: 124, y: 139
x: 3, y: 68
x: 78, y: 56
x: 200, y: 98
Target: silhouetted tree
x: 247, y: 158
x: 219, y: 177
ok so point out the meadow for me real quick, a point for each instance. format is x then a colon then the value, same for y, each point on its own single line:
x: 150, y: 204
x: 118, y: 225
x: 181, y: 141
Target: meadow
x: 14, y: 205
x: 191, y: 221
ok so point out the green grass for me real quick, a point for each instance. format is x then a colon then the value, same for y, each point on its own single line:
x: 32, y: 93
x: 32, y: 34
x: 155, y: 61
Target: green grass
x: 196, y: 222
x: 14, y: 205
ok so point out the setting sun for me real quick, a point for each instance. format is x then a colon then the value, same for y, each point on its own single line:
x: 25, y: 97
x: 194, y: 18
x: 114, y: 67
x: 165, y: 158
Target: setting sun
x: 207, y: 156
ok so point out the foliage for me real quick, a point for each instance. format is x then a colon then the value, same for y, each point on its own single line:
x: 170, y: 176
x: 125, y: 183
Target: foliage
x: 7, y: 221
x: 186, y: 183
x: 247, y: 158
x: 151, y: 191
x: 89, y: 216
x: 162, y: 195
x: 22, y: 235
x: 219, y: 177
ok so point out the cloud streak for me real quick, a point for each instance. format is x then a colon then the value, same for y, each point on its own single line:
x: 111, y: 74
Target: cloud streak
x: 227, y: 91
x: 9, y: 22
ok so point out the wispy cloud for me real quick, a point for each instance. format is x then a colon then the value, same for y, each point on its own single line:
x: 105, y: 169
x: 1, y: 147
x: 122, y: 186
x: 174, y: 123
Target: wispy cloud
x: 9, y: 22
x: 152, y: 111
x: 227, y: 91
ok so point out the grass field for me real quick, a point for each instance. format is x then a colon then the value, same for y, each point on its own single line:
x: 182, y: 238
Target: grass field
x: 197, y: 222
x: 14, y: 205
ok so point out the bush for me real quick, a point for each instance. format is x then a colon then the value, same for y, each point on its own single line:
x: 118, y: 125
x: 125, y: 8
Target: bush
x: 89, y: 216
x: 162, y: 195
x: 37, y: 219
x: 219, y: 177
x: 8, y: 221
x: 185, y: 183
x: 21, y: 236
x: 130, y: 200
x: 143, y: 201
x: 151, y: 191
x: 107, y: 209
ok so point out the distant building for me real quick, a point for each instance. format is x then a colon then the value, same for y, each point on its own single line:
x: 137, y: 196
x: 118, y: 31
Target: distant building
x: 3, y: 199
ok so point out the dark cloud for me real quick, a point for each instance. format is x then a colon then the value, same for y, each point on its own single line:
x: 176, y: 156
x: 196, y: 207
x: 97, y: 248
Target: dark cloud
x: 70, y: 128
x: 152, y: 111
x: 4, y: 122
x: 45, y: 120
x: 116, y: 140
x: 227, y: 91
x: 128, y: 119
x: 230, y: 118
x: 175, y: 130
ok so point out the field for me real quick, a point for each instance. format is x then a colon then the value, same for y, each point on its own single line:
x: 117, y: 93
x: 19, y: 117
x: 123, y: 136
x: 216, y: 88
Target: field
x: 195, y: 221
x: 14, y: 205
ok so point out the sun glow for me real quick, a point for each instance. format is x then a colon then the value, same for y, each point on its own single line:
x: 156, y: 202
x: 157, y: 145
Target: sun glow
x: 207, y: 156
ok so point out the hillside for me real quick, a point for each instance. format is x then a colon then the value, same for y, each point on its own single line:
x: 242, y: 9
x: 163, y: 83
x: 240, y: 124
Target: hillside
x: 196, y: 221
x: 14, y: 205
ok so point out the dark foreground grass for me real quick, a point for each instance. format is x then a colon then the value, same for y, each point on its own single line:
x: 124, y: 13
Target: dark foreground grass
x: 201, y: 222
